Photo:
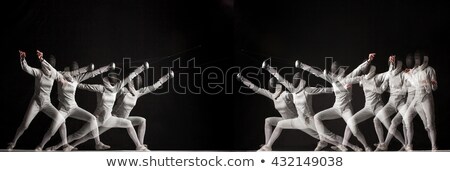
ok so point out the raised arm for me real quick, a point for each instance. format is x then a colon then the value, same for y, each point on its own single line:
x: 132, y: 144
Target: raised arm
x: 133, y: 74
x: 92, y: 87
x: 256, y: 89
x: 23, y: 63
x: 156, y: 85
x: 280, y: 79
x: 358, y: 70
x: 313, y: 71
x: 82, y: 77
x: 59, y: 77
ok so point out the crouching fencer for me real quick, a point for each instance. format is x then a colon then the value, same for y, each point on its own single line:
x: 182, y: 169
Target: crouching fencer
x: 125, y: 102
x: 40, y: 102
x: 342, y: 87
x: 68, y: 107
x: 425, y: 82
x: 106, y: 96
x: 373, y: 86
x: 282, y: 100
x: 396, y: 101
x: 303, y: 102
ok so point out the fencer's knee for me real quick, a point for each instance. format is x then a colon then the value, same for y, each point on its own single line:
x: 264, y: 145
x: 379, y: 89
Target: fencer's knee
x: 407, y: 121
x: 278, y: 128
x: 267, y: 121
x: 59, y: 120
x: 317, y: 118
x: 24, y: 126
x: 376, y: 121
x: 142, y: 121
x: 93, y: 122
x: 352, y: 125
x: 128, y: 124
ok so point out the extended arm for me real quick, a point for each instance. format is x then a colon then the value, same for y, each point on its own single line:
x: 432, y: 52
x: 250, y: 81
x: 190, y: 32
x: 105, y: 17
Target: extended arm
x: 280, y: 79
x: 133, y: 74
x: 358, y: 70
x: 256, y: 89
x: 23, y: 63
x: 313, y: 71
x: 92, y: 87
x: 156, y: 85
x: 82, y: 70
x: 315, y: 90
x: 87, y: 75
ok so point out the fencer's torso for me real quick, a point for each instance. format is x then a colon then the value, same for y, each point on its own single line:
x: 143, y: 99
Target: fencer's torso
x: 303, y: 99
x: 43, y: 87
x: 303, y: 104
x: 125, y: 103
x: 343, y: 95
x: 285, y: 105
x: 421, y: 80
x: 373, y: 99
x: 396, y: 88
x: 66, y: 94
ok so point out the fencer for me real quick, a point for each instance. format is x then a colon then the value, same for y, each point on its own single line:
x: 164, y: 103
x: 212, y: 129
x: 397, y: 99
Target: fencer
x: 399, y: 117
x: 373, y: 86
x: 303, y: 102
x: 282, y: 100
x: 40, y: 102
x: 125, y: 102
x: 106, y: 96
x: 397, y: 90
x: 425, y: 82
x: 342, y: 87
x: 68, y: 107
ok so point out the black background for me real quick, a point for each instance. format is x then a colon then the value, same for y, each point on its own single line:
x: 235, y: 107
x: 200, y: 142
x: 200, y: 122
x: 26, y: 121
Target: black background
x: 225, y: 34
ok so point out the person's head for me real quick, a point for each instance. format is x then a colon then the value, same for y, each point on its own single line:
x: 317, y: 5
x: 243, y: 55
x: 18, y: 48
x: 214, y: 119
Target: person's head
x: 398, y: 67
x: 409, y: 60
x: 74, y: 66
x: 370, y: 71
x: 274, y: 86
x: 297, y: 80
x: 52, y: 60
x: 112, y: 77
x: 425, y: 62
x: 67, y: 76
x: 418, y: 58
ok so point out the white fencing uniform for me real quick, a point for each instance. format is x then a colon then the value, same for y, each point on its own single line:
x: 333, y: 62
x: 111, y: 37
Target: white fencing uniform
x: 396, y: 101
x: 303, y: 102
x: 423, y: 103
x: 40, y: 102
x: 400, y: 115
x: 125, y: 101
x: 283, y: 102
x: 68, y: 107
x: 373, y: 87
x: 106, y: 96
x: 342, y: 87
